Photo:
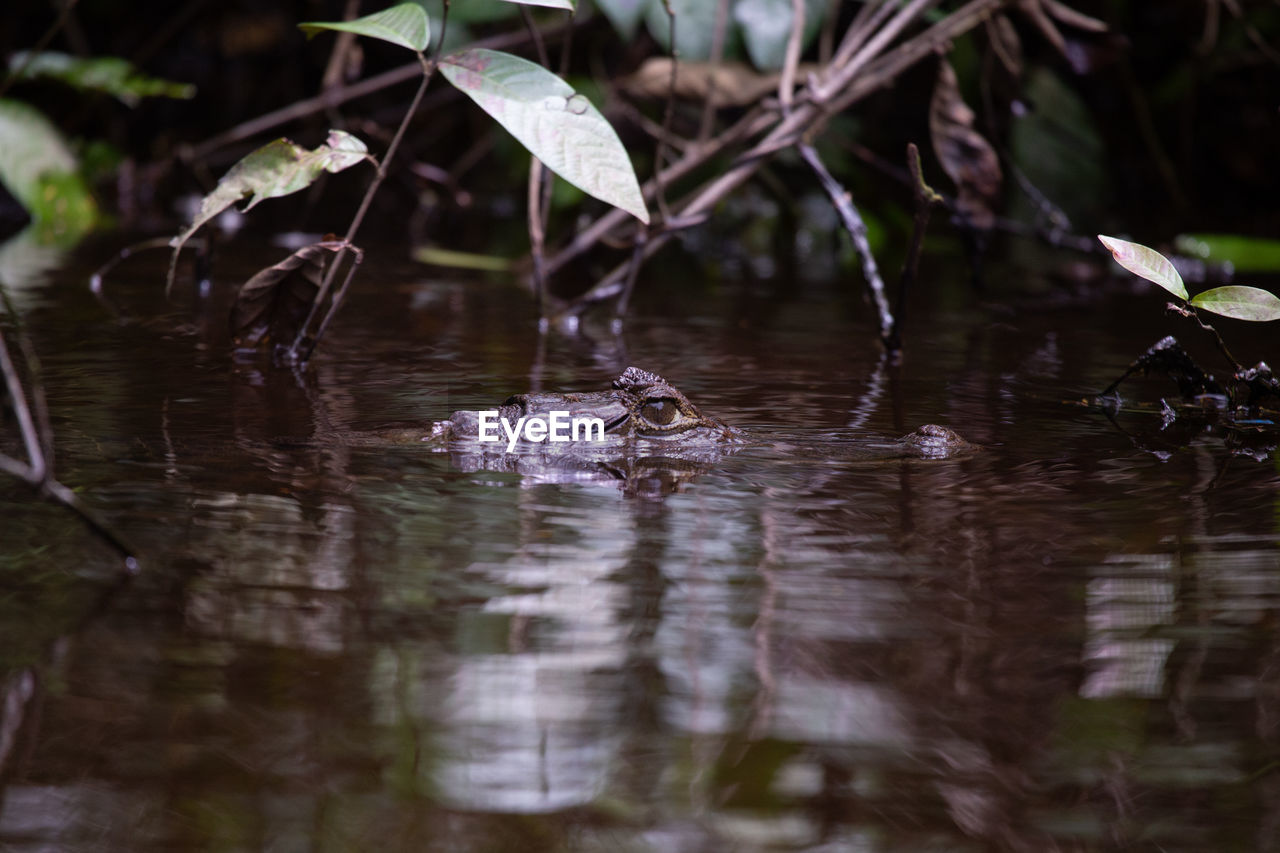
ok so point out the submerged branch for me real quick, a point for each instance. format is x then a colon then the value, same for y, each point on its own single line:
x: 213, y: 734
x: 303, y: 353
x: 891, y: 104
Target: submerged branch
x: 36, y: 471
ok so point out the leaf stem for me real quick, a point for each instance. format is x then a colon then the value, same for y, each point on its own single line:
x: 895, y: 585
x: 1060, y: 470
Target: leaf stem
x: 1188, y: 310
x: 303, y: 346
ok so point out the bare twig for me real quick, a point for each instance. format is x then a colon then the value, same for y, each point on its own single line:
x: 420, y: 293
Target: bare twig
x: 668, y: 112
x: 540, y: 177
x: 535, y: 36
x: 857, y: 229
x: 36, y: 471
x: 338, y: 96
x: 717, y: 54
x: 1189, y: 311
x: 629, y: 284
x: 301, y: 348
x: 96, y: 280
x: 342, y: 46
x: 695, y: 156
x: 865, y: 71
x: 787, y: 82
x: 358, y: 257
x: 537, y: 232
x: 925, y: 198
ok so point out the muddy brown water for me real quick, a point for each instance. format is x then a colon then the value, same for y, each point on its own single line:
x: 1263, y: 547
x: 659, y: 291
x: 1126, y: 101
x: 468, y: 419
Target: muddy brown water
x: 1065, y: 641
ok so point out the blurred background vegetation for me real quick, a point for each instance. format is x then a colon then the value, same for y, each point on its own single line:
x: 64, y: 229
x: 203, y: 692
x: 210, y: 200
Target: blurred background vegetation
x: 1167, y: 123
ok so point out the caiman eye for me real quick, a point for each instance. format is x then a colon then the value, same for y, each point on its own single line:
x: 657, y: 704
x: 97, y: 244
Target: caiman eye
x: 660, y: 412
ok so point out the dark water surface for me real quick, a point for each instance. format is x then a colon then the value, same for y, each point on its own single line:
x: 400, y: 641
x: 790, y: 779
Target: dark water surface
x: 1068, y: 640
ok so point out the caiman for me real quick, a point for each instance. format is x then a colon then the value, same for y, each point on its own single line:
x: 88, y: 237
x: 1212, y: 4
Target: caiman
x: 647, y: 426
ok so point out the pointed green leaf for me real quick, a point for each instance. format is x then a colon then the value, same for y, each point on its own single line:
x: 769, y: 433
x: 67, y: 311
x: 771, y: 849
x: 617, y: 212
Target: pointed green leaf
x: 1244, y: 253
x: 559, y: 126
x: 567, y: 5
x: 695, y: 27
x: 40, y: 171
x: 1242, y: 303
x: 276, y: 169
x: 110, y: 74
x: 1147, y: 263
x: 405, y: 25
x: 766, y: 27
x: 625, y: 15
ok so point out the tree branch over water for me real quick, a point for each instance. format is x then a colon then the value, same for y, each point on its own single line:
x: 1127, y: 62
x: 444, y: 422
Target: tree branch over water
x: 36, y: 470
x: 863, y: 62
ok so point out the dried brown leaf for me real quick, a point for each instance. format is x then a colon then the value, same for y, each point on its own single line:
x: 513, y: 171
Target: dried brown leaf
x: 273, y: 304
x: 965, y: 155
x: 732, y: 84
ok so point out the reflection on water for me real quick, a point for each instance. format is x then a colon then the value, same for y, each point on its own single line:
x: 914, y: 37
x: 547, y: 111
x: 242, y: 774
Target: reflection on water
x: 1059, y: 642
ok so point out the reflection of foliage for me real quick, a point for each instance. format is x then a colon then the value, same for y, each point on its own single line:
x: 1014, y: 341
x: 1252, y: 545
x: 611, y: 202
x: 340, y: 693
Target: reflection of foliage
x: 39, y: 169
x: 36, y: 163
x: 110, y: 74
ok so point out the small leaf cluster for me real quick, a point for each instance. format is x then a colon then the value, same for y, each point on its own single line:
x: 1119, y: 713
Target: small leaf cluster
x: 1236, y: 301
x: 557, y: 124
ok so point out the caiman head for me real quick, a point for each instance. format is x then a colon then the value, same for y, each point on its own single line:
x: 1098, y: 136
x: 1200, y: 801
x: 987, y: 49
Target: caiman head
x: 641, y: 406
x: 656, y: 409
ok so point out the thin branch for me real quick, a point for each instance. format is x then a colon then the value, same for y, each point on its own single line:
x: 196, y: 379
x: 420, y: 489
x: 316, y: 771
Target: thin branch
x: 44, y: 426
x: 299, y: 343
x: 537, y: 233
x: 35, y: 471
x: 629, y: 284
x: 841, y: 87
x: 1188, y: 310
x: 668, y: 112
x: 717, y: 54
x: 337, y: 300
x: 787, y: 82
x: 925, y: 199
x: 339, y: 96
x: 535, y: 36
x: 857, y: 229
x: 695, y: 156
x: 342, y: 45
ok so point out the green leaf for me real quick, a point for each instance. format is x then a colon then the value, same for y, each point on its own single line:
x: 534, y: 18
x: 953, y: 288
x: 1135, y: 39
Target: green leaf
x: 1239, y: 302
x: 276, y: 169
x: 1245, y: 254
x: 567, y: 5
x: 695, y: 27
x: 766, y: 27
x: 1058, y: 146
x: 1147, y: 263
x: 559, y: 126
x: 471, y: 12
x: 625, y: 15
x: 39, y: 170
x: 405, y: 25
x: 110, y: 74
